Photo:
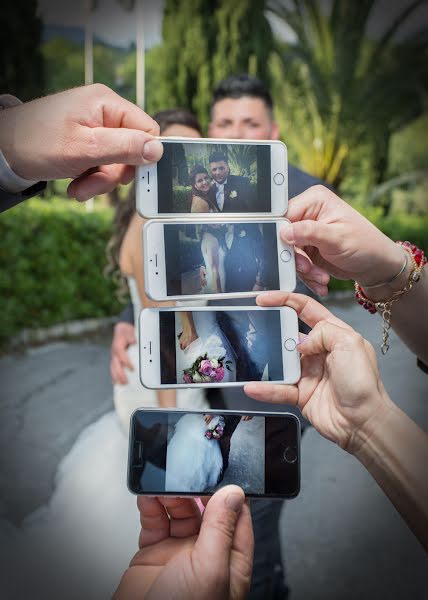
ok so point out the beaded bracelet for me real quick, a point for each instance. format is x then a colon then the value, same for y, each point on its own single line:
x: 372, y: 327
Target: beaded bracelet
x: 419, y: 260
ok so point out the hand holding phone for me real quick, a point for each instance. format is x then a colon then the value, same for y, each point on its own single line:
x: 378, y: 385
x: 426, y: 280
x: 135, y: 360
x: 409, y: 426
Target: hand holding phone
x: 189, y: 453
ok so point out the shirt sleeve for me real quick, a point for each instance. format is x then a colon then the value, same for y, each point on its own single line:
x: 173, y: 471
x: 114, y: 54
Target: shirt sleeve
x: 13, y: 188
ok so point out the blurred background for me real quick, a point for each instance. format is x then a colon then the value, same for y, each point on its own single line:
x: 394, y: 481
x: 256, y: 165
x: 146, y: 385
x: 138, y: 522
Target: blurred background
x: 349, y: 82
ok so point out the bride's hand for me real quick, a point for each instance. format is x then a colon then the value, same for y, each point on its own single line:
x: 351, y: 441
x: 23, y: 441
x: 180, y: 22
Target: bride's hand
x: 340, y: 391
x: 189, y: 333
x: 188, y: 336
x: 183, y: 556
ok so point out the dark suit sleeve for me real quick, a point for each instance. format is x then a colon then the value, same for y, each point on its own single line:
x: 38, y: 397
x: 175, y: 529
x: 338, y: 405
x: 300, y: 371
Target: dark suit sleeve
x: 8, y: 199
x: 127, y: 314
x: 299, y: 181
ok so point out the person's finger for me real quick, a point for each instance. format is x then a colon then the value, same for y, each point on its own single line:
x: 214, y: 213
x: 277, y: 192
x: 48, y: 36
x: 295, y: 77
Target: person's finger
x: 310, y: 203
x: 308, y: 310
x: 273, y: 393
x: 241, y: 564
x: 123, y: 146
x: 154, y: 521
x: 99, y: 181
x: 184, y: 514
x: 317, y: 288
x: 122, y: 355
x: 119, y: 112
x: 117, y: 372
x: 308, y: 233
x: 308, y: 269
x: 326, y: 335
x: 215, y: 540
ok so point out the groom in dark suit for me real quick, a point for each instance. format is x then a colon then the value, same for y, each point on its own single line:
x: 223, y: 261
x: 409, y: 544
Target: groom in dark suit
x: 231, y: 193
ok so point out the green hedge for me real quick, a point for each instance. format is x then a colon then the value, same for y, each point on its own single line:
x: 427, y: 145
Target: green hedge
x: 52, y: 256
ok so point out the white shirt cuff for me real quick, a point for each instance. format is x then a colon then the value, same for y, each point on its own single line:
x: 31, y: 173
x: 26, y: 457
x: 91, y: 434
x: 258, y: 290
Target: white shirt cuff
x: 9, y: 180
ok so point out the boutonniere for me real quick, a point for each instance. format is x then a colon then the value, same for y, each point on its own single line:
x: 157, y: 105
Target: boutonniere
x: 233, y: 194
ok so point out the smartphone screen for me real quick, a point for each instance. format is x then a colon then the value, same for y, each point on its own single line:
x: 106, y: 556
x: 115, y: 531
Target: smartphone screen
x: 221, y: 258
x: 178, y: 452
x: 209, y: 177
x: 220, y: 346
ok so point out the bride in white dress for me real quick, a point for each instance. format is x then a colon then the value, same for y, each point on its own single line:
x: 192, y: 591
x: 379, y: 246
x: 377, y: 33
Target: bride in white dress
x: 193, y: 462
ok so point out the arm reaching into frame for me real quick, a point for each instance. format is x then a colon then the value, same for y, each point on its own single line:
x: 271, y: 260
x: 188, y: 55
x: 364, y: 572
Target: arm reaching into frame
x: 90, y: 134
x: 332, y: 238
x: 342, y: 395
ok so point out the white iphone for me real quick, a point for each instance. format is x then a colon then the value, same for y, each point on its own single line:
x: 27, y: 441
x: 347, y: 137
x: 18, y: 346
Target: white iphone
x: 214, y: 258
x: 214, y: 176
x: 218, y: 346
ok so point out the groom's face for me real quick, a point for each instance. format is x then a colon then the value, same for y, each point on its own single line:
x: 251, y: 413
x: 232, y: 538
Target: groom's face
x: 244, y: 118
x: 219, y: 171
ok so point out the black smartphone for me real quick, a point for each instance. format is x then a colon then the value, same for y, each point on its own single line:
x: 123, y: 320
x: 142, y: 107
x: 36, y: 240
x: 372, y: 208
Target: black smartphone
x: 190, y: 453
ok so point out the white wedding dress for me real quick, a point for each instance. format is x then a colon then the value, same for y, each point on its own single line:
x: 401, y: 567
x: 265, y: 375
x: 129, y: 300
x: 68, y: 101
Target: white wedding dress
x: 81, y: 542
x: 133, y: 395
x: 211, y: 340
x: 193, y: 462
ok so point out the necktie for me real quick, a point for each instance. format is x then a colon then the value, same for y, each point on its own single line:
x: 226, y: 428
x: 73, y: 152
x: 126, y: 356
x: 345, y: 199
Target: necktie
x: 219, y: 196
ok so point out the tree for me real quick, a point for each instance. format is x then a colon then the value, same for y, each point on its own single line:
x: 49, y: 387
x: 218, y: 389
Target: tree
x: 341, y: 90
x: 21, y: 64
x: 205, y: 41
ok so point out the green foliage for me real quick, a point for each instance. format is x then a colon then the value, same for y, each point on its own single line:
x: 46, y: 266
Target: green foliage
x: 21, y: 65
x: 182, y: 198
x: 204, y: 42
x: 52, y: 256
x: 341, y: 90
x: 64, y: 65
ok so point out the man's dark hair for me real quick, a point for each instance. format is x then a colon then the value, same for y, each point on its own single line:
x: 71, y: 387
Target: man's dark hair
x: 176, y: 116
x: 218, y: 157
x: 238, y: 86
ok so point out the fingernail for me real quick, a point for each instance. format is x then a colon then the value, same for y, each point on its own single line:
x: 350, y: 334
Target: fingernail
x: 302, y: 340
x: 235, y: 501
x: 287, y: 234
x: 153, y: 150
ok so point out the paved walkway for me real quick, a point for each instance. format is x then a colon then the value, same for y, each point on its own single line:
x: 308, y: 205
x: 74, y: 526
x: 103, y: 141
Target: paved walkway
x: 341, y: 536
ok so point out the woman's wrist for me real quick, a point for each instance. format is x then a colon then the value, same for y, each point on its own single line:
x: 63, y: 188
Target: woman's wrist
x: 366, y: 441
x: 388, y: 271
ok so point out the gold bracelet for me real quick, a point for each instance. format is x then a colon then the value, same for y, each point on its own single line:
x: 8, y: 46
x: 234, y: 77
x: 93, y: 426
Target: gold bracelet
x: 385, y: 306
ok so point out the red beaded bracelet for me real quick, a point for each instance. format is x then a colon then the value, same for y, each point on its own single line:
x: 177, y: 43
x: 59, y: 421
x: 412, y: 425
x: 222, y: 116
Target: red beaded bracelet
x: 419, y: 260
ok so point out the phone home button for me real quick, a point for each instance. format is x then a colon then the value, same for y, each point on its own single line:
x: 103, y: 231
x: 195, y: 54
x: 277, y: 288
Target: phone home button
x: 290, y: 455
x: 285, y: 256
x: 290, y: 344
x: 278, y: 178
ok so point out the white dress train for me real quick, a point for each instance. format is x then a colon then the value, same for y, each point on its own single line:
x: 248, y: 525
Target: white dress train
x: 79, y: 544
x: 193, y: 462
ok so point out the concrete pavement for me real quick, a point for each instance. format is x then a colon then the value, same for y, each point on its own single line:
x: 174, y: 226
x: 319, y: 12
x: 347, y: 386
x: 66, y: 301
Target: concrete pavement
x: 342, y: 538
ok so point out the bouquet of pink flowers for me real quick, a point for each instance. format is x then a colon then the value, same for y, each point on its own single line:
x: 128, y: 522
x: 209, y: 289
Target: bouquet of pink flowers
x: 206, y: 370
x: 215, y: 433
